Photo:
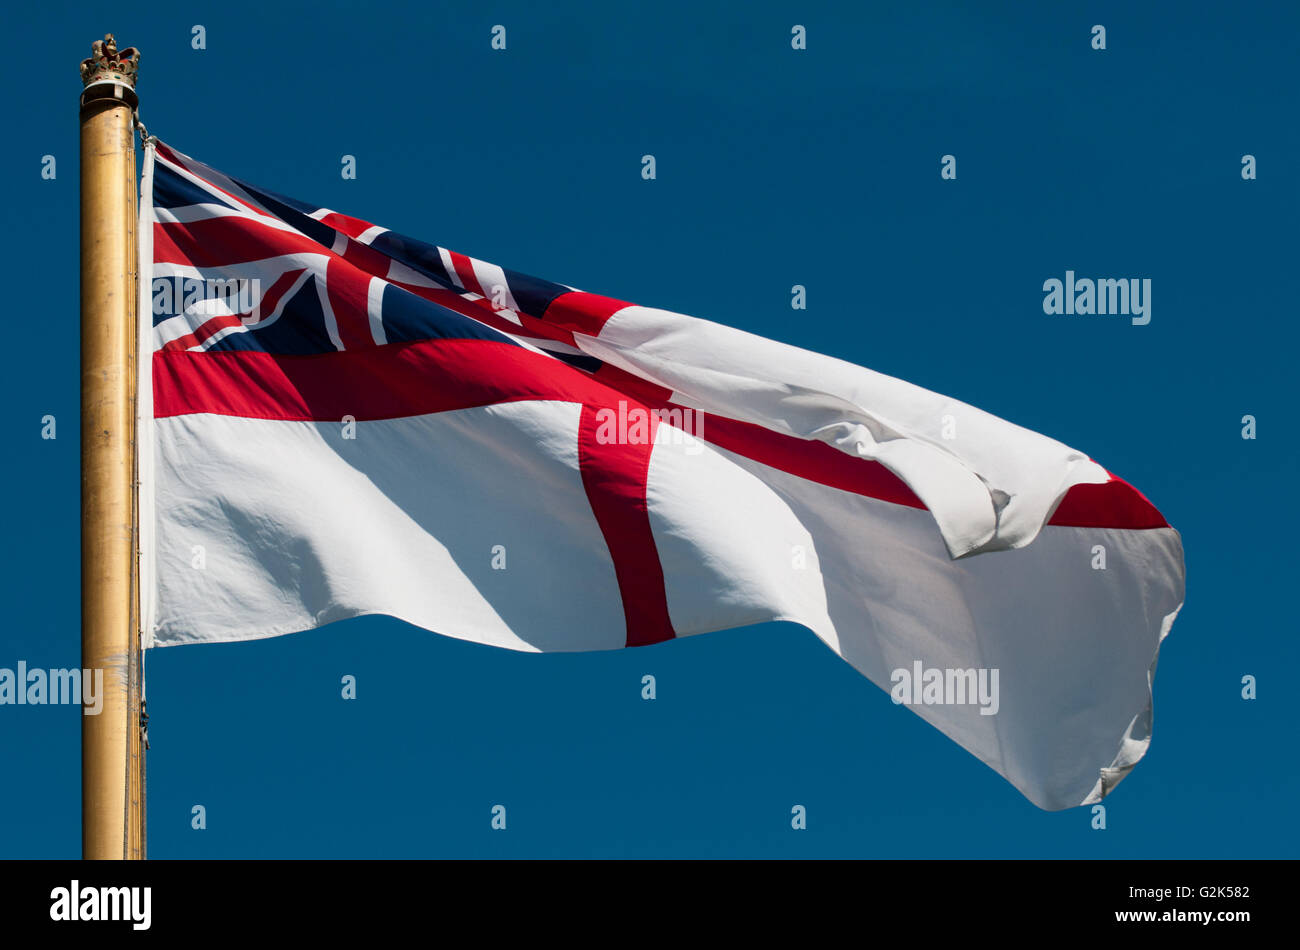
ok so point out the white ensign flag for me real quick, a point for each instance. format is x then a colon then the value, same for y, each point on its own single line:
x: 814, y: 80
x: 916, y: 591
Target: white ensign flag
x: 347, y: 421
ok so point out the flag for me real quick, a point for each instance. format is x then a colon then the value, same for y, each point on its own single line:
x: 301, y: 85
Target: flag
x: 346, y: 421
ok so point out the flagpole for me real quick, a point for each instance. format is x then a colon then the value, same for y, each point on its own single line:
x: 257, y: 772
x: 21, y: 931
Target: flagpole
x: 112, y: 793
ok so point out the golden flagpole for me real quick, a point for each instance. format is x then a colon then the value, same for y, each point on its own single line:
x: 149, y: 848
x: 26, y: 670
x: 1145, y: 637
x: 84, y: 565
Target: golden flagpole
x: 112, y: 792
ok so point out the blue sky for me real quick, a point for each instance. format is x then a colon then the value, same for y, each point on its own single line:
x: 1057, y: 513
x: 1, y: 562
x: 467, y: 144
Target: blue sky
x: 775, y: 167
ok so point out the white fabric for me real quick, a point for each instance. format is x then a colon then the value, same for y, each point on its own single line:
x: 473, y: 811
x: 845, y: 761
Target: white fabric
x: 990, y: 487
x: 1074, y: 646
x: 296, y: 525
x: 300, y: 526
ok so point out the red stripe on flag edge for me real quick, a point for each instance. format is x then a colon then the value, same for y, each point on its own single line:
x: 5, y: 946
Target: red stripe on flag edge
x: 1112, y: 504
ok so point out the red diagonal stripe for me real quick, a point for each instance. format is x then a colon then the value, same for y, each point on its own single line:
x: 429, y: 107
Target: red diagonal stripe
x: 352, y: 227
x: 465, y: 271
x: 270, y: 300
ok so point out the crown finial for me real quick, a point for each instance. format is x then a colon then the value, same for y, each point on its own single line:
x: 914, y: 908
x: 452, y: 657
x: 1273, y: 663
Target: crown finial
x: 107, y: 62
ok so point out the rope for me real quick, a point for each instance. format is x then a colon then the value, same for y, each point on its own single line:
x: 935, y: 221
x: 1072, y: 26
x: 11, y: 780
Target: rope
x: 145, y: 137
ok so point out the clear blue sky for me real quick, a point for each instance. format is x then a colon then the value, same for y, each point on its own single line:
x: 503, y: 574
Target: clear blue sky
x: 775, y: 167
